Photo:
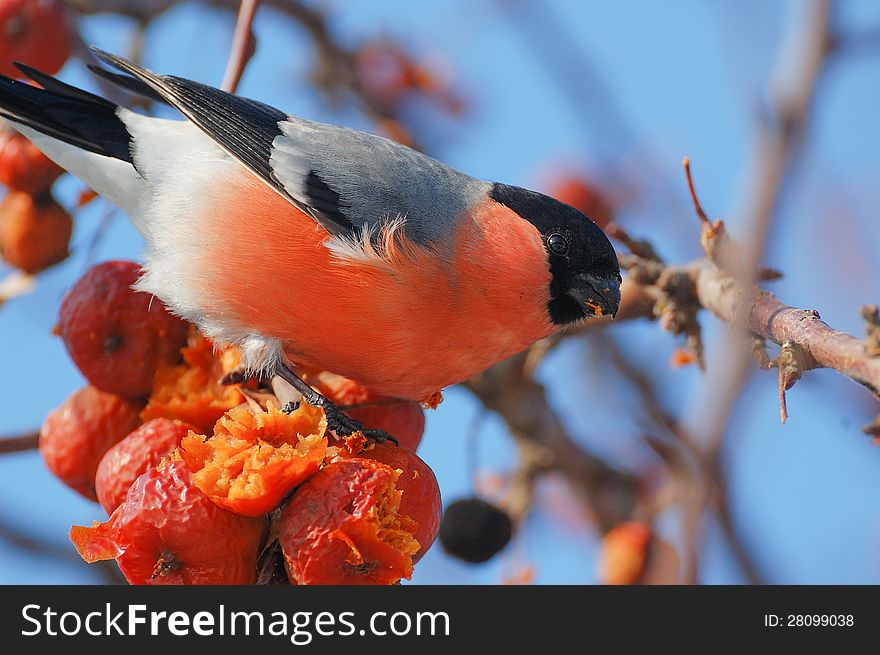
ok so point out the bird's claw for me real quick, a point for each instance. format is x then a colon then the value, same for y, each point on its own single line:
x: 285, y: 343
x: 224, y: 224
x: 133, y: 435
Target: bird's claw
x: 290, y: 406
x: 379, y: 436
x: 343, y: 425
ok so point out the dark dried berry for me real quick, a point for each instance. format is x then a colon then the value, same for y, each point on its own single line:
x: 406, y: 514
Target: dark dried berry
x: 474, y: 530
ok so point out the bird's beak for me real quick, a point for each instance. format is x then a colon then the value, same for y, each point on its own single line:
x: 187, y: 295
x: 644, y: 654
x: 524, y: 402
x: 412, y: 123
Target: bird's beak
x: 599, y: 296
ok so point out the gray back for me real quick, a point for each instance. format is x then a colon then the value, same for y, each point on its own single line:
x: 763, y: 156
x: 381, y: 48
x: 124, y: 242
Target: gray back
x: 375, y: 179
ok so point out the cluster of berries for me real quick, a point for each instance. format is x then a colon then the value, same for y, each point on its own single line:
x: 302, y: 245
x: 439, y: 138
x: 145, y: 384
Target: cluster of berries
x: 211, y: 483
x: 34, y: 229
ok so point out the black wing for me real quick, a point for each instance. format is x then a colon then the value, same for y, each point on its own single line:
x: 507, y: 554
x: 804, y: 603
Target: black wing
x: 66, y: 113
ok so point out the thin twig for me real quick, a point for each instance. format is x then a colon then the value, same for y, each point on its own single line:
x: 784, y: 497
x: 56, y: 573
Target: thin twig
x: 19, y: 443
x: 698, y: 208
x: 242, y: 45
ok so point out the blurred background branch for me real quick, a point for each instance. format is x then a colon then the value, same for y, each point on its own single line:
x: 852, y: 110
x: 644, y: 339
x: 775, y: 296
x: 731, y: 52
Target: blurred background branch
x: 780, y: 132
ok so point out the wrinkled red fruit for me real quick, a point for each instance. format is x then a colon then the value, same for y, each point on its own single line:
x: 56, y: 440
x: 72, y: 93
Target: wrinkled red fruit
x: 75, y: 436
x: 343, y: 527
x: 169, y: 532
x: 421, y: 493
x: 23, y: 167
x: 33, y: 32
x: 34, y: 231
x: 116, y: 336
x: 404, y: 421
x: 134, y: 455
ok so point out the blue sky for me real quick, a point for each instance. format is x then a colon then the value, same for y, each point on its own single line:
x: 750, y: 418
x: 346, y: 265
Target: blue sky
x: 687, y: 77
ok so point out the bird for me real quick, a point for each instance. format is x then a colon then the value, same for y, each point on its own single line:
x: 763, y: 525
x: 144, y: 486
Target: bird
x: 312, y: 245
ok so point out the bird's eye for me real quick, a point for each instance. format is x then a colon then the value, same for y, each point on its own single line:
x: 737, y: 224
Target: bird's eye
x: 558, y: 244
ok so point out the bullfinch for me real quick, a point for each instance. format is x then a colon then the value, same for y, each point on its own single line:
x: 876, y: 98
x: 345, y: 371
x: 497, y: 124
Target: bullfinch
x: 309, y: 244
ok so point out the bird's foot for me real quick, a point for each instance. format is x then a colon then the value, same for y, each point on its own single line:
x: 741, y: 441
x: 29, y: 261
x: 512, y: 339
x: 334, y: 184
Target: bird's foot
x: 343, y: 425
x: 337, y: 420
x: 290, y: 406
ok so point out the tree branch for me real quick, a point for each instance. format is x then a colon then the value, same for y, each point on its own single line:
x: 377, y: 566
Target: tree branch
x: 20, y: 443
x: 738, y: 304
x: 242, y: 45
x: 772, y: 319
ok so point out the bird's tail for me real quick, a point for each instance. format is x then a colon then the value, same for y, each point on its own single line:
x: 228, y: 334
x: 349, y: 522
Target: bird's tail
x: 80, y: 131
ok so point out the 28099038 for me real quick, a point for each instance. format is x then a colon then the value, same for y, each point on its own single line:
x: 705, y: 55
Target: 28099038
x: 809, y: 620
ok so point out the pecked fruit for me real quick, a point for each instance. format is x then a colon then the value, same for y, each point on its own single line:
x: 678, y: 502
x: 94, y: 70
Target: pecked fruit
x: 117, y: 336
x: 343, y: 526
x: 255, y: 458
x: 191, y: 391
x: 134, y: 455
x: 34, y: 231
x: 75, y: 436
x: 169, y: 532
x: 421, y: 493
